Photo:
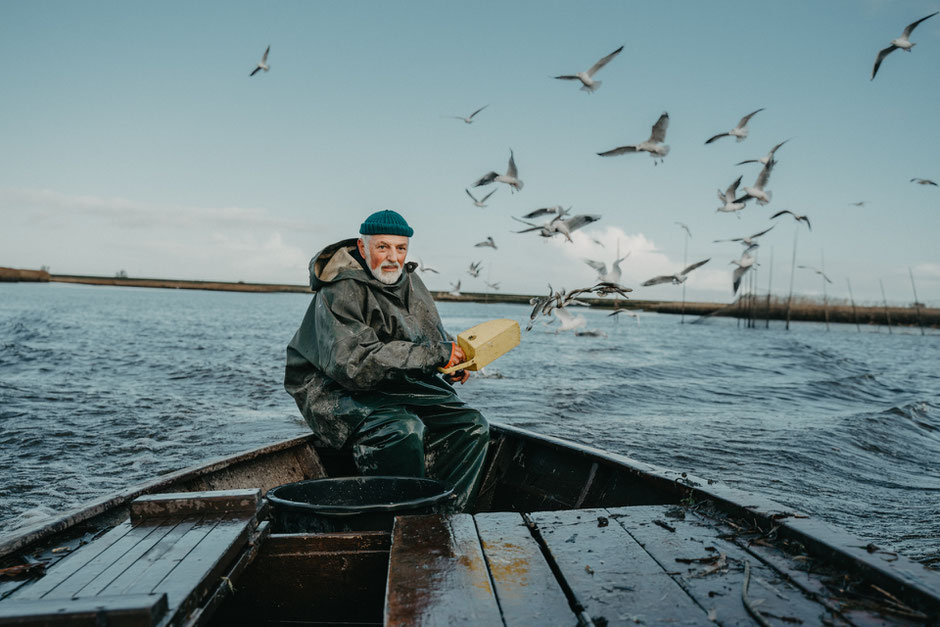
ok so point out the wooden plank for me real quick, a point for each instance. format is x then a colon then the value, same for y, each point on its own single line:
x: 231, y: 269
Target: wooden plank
x: 437, y: 574
x: 188, y: 582
x: 141, y: 610
x: 195, y: 503
x: 144, y: 574
x: 611, y: 577
x: 711, y: 569
x: 526, y: 588
x: 82, y: 566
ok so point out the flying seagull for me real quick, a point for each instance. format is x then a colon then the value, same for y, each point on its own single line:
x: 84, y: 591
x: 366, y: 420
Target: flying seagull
x: 557, y: 225
x: 424, y: 268
x: 488, y: 242
x: 796, y: 217
x: 455, y: 289
x: 923, y: 182
x: 745, y: 263
x: 739, y: 131
x: 654, y: 145
x: 817, y: 271
x: 588, y: 83
x: 469, y: 118
x: 601, y: 268
x: 860, y: 203
x: 903, y: 42
x: 492, y: 286
x: 544, y: 211
x: 747, y: 241
x: 686, y: 227
x: 511, y: 177
x: 482, y: 202
x: 766, y: 158
x: 474, y: 269
x: 757, y: 191
x: 675, y: 279
x: 263, y: 63
x: 728, y: 198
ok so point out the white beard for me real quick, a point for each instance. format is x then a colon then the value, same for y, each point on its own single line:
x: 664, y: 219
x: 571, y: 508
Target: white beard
x: 385, y: 277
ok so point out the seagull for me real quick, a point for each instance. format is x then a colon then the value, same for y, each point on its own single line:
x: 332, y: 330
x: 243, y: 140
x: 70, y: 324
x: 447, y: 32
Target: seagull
x: 511, y: 177
x: 745, y: 263
x: 568, y: 321
x: 757, y: 190
x: 728, y: 198
x: 546, y: 211
x: 903, y: 42
x: 469, y: 118
x: 765, y: 159
x: 817, y: 271
x: 686, y: 227
x: 455, y: 289
x: 488, y: 242
x: 557, y: 225
x: 747, y: 241
x: 602, y: 274
x: 654, y: 145
x: 479, y: 203
x: 588, y: 84
x: 632, y: 314
x: 474, y: 269
x: 923, y: 182
x: 795, y: 217
x: 492, y: 286
x: 424, y: 268
x: 739, y: 131
x: 860, y: 203
x: 263, y: 64
x: 675, y: 279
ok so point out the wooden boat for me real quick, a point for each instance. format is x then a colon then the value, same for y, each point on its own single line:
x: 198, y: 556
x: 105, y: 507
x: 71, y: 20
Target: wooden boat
x: 564, y: 534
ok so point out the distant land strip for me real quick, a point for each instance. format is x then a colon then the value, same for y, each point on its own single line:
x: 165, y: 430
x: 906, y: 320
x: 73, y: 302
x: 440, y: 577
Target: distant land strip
x: 756, y: 309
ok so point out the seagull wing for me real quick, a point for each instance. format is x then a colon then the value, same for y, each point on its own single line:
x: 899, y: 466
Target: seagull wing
x: 764, y: 175
x: 774, y: 149
x: 600, y: 266
x: 806, y: 220
x: 762, y: 232
x: 539, y: 212
x: 264, y: 57
x: 695, y: 265
x: 718, y: 136
x: 569, y: 77
x: 606, y: 60
x: 881, y: 57
x: 486, y: 179
x: 511, y: 171
x: 747, y: 118
x: 780, y: 213
x: 471, y: 195
x: 656, y: 280
x: 255, y: 71
x: 622, y: 150
x: 747, y: 161
x: 477, y: 111
x: 488, y: 195
x: 659, y: 129
x: 910, y: 27
x: 580, y: 220
x: 733, y: 189
x: 736, y: 279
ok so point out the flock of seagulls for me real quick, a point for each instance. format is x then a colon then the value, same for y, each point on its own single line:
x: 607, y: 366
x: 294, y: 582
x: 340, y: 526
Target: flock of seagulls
x: 558, y: 222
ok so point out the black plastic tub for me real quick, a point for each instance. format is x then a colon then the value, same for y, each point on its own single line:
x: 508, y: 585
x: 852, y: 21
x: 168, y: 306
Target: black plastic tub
x: 354, y: 503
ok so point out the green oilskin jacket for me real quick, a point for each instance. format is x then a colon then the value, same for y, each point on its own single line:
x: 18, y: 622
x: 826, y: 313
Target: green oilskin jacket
x: 363, y: 344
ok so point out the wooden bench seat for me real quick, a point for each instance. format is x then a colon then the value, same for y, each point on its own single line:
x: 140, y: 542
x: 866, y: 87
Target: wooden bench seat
x: 182, y: 548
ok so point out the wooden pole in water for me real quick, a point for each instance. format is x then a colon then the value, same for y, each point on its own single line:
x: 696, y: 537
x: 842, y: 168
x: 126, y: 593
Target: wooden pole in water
x: 852, y: 299
x: 885, y: 301
x: 916, y: 302
x: 822, y: 259
x: 685, y: 262
x: 770, y: 278
x: 796, y: 237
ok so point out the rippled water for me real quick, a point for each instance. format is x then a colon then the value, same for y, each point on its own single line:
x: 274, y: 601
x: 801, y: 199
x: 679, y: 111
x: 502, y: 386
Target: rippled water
x: 104, y: 387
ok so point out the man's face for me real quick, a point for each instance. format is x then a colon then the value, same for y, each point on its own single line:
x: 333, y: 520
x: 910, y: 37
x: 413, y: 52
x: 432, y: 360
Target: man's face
x: 385, y: 255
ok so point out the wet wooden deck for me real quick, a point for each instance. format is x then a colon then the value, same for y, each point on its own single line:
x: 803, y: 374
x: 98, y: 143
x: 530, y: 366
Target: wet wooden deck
x: 657, y: 564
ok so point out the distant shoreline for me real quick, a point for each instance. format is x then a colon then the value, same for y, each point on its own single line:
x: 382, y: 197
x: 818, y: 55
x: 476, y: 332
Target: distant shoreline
x: 758, y: 311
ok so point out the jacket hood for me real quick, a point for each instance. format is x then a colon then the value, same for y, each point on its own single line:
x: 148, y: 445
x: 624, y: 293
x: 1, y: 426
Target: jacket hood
x: 340, y: 261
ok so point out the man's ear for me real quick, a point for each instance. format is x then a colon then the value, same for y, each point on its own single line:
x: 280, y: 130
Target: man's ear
x: 362, y: 247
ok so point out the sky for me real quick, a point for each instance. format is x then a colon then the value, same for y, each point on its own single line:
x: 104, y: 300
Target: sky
x: 132, y: 138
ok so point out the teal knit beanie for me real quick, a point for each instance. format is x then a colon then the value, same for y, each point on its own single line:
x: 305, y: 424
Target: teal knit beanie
x: 386, y: 223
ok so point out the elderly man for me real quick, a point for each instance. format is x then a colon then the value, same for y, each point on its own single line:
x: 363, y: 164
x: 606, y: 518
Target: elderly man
x: 363, y: 367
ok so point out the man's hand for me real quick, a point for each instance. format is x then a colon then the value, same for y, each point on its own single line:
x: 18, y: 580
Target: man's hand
x: 460, y: 376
